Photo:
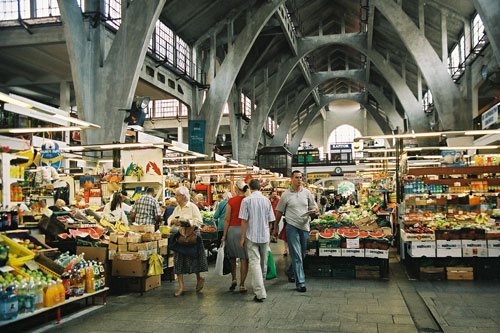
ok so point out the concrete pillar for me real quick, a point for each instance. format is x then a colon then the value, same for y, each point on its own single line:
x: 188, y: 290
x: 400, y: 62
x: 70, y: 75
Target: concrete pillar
x: 234, y: 110
x: 449, y: 102
x: 329, y: 64
x: 220, y: 88
x: 419, y: 86
x: 444, y: 39
x: 64, y: 96
x: 421, y: 16
x: 105, y: 84
x: 489, y: 10
x: 403, y: 69
x: 326, y: 148
x: 342, y: 24
x: 179, y: 134
x: 213, y: 56
x: 230, y: 35
x: 320, y: 28
x: 365, y: 121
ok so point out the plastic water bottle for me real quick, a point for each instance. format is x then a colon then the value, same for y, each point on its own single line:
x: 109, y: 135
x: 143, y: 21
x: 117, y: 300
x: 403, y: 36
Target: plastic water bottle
x: 21, y: 296
x: 30, y: 298
x: 11, y: 304
x: 3, y: 301
x: 38, y: 294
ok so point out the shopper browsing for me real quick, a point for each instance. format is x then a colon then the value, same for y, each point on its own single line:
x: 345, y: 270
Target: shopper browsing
x: 146, y: 209
x: 187, y: 212
x: 295, y: 203
x: 113, y: 210
x: 255, y: 214
x: 232, y: 236
x: 220, y: 214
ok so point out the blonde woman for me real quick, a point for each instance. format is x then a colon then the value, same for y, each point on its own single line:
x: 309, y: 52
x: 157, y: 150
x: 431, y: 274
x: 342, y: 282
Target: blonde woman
x: 232, y: 236
x: 184, y: 264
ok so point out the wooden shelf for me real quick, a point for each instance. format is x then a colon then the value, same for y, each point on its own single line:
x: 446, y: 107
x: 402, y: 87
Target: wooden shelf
x: 462, y: 181
x: 454, y: 170
x: 494, y: 194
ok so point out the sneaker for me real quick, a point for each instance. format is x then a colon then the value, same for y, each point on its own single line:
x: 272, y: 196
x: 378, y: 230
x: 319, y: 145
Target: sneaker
x: 258, y: 300
x: 302, y: 289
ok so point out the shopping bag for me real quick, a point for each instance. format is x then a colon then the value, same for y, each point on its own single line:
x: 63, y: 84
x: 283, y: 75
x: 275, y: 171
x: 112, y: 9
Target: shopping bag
x: 271, y: 267
x: 227, y: 266
x: 155, y: 264
x: 219, y: 264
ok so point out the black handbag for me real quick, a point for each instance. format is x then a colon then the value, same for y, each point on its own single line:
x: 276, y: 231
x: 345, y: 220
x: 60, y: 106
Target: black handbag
x: 190, y: 251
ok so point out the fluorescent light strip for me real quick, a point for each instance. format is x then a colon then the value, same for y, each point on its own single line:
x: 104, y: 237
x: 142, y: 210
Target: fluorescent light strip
x: 39, y: 129
x: 219, y: 170
x: 181, y: 171
x: 76, y: 121
x: 482, y: 132
x: 75, y: 159
x: 11, y: 100
x: 125, y: 145
x: 173, y: 158
x: 424, y: 163
x: 105, y: 161
x: 205, y: 164
x: 408, y: 136
x: 71, y: 148
x: 171, y: 166
x: 384, y: 158
x: 468, y: 148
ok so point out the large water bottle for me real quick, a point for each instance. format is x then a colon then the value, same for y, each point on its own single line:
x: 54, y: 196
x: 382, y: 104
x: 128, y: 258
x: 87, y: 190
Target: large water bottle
x: 30, y: 298
x: 3, y: 301
x: 38, y: 294
x: 11, y: 304
x: 21, y: 296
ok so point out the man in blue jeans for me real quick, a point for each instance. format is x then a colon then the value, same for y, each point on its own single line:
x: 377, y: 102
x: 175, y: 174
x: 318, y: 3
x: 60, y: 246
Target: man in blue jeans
x: 295, y: 203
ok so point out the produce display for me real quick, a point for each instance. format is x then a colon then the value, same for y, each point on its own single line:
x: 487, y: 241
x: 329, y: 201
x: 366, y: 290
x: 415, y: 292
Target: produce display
x: 29, y: 244
x: 208, y: 217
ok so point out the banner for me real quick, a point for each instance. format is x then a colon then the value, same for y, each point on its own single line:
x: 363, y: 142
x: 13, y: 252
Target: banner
x: 197, y: 136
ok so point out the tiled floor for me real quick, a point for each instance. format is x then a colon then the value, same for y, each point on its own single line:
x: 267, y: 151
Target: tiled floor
x: 328, y: 305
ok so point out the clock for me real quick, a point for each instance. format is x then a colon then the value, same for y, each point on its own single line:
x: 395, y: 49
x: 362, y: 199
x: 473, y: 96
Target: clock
x: 338, y: 170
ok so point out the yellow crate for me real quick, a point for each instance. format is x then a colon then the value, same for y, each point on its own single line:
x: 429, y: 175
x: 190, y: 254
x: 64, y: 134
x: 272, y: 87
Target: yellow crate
x: 47, y: 271
x: 18, y: 271
x: 23, y: 254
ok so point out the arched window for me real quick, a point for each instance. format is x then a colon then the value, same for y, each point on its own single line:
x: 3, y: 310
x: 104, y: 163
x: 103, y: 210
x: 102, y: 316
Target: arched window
x: 340, y: 136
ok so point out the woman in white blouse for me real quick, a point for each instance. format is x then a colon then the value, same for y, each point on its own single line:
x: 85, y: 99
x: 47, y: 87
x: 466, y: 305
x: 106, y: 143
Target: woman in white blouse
x: 113, y: 210
x: 184, y: 264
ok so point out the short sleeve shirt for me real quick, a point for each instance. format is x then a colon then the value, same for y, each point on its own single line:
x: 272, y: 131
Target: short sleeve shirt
x: 257, y: 210
x: 294, y: 205
x: 146, y: 208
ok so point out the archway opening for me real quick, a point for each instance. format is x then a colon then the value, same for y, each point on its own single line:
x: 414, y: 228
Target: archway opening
x: 340, y: 143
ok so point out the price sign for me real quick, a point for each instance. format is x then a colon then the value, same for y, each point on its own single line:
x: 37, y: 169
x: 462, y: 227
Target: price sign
x: 32, y: 265
x: 353, y: 243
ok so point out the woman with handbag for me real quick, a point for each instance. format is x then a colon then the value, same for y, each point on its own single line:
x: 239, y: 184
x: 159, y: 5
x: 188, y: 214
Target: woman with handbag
x: 232, y: 236
x: 187, y: 218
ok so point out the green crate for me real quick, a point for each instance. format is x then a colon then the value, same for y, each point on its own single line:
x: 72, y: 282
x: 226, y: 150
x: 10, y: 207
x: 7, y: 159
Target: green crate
x: 320, y: 270
x: 343, y: 273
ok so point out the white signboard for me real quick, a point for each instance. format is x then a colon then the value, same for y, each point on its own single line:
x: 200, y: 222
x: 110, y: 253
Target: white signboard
x: 489, y: 117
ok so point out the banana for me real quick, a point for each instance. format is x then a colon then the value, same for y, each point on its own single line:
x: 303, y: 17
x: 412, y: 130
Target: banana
x: 29, y: 154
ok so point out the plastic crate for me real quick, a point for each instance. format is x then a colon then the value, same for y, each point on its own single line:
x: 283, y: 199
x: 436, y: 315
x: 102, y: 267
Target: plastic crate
x: 343, y: 273
x: 320, y: 270
x: 48, y: 271
x: 22, y: 234
x: 209, y: 235
x: 22, y: 253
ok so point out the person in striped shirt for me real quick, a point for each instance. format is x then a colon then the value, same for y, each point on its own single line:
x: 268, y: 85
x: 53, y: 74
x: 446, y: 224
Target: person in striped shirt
x: 256, y: 213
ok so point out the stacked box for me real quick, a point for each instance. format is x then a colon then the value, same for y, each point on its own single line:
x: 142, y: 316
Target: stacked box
x: 136, y: 245
x: 448, y: 248
x: 459, y: 273
x: 474, y: 248
x: 493, y: 248
x: 418, y: 249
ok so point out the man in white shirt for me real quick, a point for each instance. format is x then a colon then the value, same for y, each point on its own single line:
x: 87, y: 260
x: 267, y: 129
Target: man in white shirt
x: 256, y: 213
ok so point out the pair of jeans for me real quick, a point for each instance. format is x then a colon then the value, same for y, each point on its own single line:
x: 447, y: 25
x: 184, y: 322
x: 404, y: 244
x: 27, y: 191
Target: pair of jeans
x: 297, y: 247
x: 257, y: 266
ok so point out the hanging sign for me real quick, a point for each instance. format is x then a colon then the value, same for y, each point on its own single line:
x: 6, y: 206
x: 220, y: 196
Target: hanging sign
x: 344, y: 146
x: 51, y: 155
x: 489, y: 117
x: 197, y: 136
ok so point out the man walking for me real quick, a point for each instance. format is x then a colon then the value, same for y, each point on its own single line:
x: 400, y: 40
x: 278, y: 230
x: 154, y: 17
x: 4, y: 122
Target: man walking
x: 295, y: 204
x: 256, y: 213
x: 146, y: 209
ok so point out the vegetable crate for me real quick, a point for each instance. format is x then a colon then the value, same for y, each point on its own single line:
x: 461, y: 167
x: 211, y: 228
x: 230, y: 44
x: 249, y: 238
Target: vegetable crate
x: 18, y: 254
x: 432, y: 274
x: 320, y: 270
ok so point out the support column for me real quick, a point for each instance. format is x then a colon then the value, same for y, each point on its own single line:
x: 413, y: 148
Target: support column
x: 444, y: 39
x: 419, y: 86
x: 213, y: 51
x: 326, y: 148
x: 221, y: 86
x: 234, y: 118
x: 65, y: 104
x: 105, y: 85
x: 365, y: 121
x: 179, y: 134
x: 421, y: 16
x: 489, y: 10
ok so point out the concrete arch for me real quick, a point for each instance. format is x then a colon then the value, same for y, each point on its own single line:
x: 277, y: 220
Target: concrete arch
x: 449, y: 103
x: 326, y: 99
x: 217, y: 95
x: 320, y: 77
x: 306, y: 45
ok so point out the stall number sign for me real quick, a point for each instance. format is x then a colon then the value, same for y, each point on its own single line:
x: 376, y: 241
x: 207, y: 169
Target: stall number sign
x: 489, y: 117
x: 353, y: 243
x: 345, y: 146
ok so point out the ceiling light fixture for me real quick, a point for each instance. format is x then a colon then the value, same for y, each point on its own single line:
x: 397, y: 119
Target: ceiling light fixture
x: 6, y: 98
x: 39, y: 129
x: 125, y: 145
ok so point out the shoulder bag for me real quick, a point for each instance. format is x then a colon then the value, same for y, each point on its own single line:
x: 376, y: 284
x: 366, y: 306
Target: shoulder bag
x: 187, y: 236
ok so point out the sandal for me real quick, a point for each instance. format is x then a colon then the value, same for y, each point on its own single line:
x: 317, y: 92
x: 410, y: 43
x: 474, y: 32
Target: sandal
x: 178, y: 293
x: 243, y: 290
x: 199, y: 284
x: 233, y: 285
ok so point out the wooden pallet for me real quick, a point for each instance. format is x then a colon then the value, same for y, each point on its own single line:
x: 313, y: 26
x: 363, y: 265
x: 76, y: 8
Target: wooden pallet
x: 459, y: 273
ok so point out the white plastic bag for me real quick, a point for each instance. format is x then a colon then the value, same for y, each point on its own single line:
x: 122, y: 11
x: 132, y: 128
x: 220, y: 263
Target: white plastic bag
x: 219, y: 264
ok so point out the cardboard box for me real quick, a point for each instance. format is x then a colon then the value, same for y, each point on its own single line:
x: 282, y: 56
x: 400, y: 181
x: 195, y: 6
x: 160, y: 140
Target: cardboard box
x: 459, y: 273
x: 113, y: 237
x: 143, y: 284
x: 418, y: 249
x: 474, y: 248
x: 144, y: 255
x: 129, y: 267
x: 493, y: 248
x: 155, y: 236
x: 111, y: 254
x: 134, y: 238
x: 122, y: 240
x: 353, y: 253
x: 330, y: 252
x: 162, y: 242
x: 163, y: 250
x: 99, y: 254
x: 133, y: 247
x: 112, y: 247
x: 375, y: 253
x: 122, y: 248
x: 448, y: 248
x: 142, y: 228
